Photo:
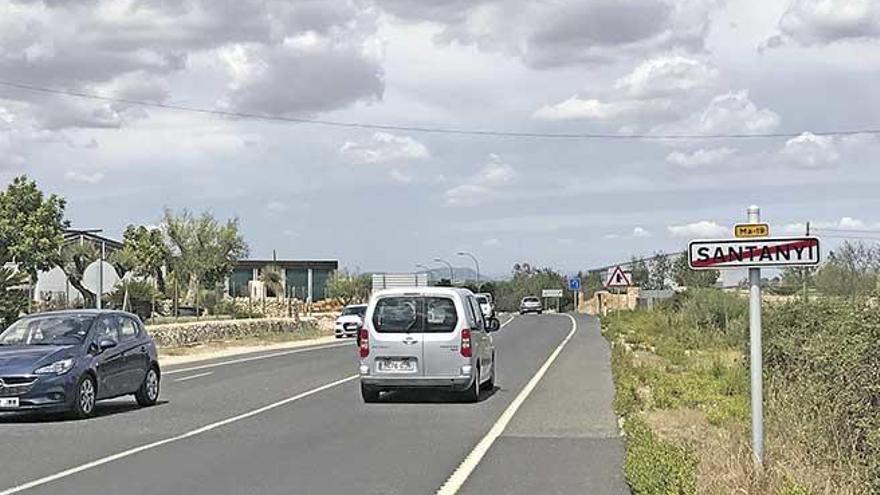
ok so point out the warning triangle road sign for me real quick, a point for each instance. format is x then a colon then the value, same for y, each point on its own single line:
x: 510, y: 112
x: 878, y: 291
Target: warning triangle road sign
x: 618, y: 278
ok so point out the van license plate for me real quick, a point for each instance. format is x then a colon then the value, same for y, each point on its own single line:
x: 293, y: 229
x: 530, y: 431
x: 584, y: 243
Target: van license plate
x: 397, y: 365
x: 8, y: 402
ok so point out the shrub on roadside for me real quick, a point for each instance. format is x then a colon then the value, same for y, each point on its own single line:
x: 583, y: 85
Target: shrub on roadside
x: 822, y: 360
x: 657, y: 467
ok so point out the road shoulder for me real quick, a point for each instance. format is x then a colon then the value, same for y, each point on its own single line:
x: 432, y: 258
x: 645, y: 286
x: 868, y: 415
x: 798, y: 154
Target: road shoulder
x: 564, y: 439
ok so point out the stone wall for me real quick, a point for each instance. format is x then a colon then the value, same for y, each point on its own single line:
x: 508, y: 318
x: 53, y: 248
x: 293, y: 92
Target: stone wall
x: 603, y: 301
x: 199, y: 332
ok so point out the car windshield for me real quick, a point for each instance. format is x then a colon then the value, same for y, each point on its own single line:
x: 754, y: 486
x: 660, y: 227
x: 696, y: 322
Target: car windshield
x: 482, y: 300
x: 530, y: 300
x: 354, y: 310
x: 408, y: 314
x: 48, y: 330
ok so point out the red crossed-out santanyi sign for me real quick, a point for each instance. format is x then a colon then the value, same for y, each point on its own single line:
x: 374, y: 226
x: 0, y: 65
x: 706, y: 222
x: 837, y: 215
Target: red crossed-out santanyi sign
x: 763, y: 252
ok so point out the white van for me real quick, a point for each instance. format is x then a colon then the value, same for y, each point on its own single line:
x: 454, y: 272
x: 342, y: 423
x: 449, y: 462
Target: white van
x: 425, y: 337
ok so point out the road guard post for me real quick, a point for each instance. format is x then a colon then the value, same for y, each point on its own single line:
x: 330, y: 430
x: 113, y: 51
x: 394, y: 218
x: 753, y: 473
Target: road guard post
x: 752, y: 249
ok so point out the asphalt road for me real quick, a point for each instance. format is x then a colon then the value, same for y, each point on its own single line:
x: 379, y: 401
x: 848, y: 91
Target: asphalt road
x: 273, y: 423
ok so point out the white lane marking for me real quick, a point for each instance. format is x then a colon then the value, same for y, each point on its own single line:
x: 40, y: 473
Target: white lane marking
x: 253, y: 358
x: 159, y: 443
x: 467, y: 466
x: 191, y: 377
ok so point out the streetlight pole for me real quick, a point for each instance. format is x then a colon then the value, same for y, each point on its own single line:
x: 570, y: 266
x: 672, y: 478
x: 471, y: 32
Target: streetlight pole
x: 451, y: 270
x: 427, y: 272
x: 476, y: 263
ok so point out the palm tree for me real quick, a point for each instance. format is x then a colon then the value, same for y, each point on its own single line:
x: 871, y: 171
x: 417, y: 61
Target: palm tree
x: 272, y: 278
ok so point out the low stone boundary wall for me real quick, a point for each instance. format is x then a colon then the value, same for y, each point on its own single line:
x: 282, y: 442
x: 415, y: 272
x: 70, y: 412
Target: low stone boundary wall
x: 199, y: 332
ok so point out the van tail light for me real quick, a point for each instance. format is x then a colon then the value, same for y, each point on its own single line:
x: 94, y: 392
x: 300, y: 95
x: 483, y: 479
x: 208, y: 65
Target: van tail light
x: 466, y: 350
x: 364, y: 342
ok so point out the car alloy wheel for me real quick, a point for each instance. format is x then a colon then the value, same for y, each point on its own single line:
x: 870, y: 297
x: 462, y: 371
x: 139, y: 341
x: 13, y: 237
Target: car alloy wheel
x: 84, y: 399
x: 148, y: 393
x: 152, y: 385
x: 87, y: 396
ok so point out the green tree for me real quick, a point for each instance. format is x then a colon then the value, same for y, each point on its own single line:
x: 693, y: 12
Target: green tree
x: 74, y: 259
x: 31, y: 227
x: 640, y: 273
x: 203, y: 250
x: 685, y: 276
x: 13, y: 295
x: 529, y: 280
x: 143, y: 252
x: 660, y: 271
x: 349, y: 288
x: 851, y: 271
x: 592, y: 283
x: 798, y: 278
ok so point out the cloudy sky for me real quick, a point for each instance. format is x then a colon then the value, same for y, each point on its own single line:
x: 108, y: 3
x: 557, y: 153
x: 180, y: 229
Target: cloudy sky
x: 386, y: 200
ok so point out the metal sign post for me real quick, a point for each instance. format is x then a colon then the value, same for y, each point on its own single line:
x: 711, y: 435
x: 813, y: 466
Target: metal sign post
x: 755, y: 362
x: 752, y: 249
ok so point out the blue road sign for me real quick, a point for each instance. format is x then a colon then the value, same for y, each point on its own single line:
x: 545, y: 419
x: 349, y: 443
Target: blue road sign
x: 574, y: 283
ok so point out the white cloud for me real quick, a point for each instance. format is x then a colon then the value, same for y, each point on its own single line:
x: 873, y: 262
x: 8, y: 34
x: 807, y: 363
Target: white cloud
x: 732, y: 112
x: 86, y: 178
x: 383, y: 147
x: 484, y: 185
x: 593, y: 109
x: 276, y: 206
x: 492, y: 242
x: 640, y: 232
x: 811, y: 151
x: 811, y: 22
x: 699, y: 158
x: 667, y: 76
x: 400, y: 176
x: 703, y: 228
x: 658, y: 88
x: 844, y: 223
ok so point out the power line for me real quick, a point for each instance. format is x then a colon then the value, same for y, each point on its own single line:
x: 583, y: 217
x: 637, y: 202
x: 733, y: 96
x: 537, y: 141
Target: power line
x: 860, y: 237
x: 423, y: 129
x: 849, y: 231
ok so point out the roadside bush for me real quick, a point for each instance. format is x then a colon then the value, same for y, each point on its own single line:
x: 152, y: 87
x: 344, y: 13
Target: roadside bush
x: 822, y: 360
x: 657, y: 467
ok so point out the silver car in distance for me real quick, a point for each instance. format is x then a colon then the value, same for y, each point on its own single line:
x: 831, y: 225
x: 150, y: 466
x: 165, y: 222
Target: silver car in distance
x: 425, y: 338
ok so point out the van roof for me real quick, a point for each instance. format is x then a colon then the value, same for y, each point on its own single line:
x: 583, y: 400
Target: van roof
x: 443, y: 291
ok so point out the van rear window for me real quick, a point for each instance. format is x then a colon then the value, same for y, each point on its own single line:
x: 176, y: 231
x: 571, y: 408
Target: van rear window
x: 408, y: 314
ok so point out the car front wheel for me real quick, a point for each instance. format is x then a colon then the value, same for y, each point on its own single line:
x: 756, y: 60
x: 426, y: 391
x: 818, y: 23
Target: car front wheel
x: 84, y: 398
x: 148, y: 394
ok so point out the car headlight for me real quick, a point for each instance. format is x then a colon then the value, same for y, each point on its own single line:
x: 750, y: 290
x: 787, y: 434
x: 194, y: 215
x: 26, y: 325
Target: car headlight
x: 56, y: 368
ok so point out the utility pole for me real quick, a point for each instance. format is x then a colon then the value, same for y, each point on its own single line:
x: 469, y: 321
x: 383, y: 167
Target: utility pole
x: 755, y: 362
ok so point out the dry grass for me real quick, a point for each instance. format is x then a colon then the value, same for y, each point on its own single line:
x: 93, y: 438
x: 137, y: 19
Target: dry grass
x: 793, y: 458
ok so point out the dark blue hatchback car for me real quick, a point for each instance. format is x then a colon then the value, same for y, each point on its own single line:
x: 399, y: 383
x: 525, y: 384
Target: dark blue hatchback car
x: 68, y: 360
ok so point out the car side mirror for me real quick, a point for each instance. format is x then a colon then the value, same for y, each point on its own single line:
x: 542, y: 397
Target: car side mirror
x: 494, y: 325
x: 105, y: 344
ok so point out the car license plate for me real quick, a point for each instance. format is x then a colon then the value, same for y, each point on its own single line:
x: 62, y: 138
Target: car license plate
x: 8, y: 402
x: 397, y: 365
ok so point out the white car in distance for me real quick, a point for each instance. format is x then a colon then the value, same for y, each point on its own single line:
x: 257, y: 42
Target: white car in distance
x: 351, y: 320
